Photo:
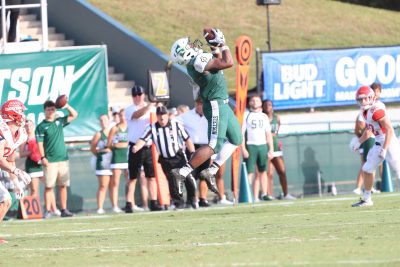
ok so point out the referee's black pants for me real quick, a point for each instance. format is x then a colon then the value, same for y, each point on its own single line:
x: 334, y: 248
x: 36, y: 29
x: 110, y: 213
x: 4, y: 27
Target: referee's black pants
x: 178, y: 161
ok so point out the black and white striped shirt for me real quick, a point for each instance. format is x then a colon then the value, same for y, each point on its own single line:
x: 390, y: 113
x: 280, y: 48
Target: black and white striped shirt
x: 168, y: 139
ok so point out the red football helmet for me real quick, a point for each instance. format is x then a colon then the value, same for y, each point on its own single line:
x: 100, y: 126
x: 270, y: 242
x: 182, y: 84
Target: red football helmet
x: 13, y: 110
x: 365, y: 97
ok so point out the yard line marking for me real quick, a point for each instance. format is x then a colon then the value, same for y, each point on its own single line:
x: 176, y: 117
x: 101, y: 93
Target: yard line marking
x: 60, y: 233
x: 313, y: 263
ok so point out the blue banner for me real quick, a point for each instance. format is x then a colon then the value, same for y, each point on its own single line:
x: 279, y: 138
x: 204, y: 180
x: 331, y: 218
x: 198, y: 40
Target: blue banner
x: 321, y: 78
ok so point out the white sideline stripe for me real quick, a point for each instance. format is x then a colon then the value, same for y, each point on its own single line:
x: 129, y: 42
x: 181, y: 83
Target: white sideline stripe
x: 60, y: 233
x: 314, y: 263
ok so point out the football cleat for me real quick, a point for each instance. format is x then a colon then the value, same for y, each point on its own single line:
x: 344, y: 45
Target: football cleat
x: 66, y: 213
x: 267, y: 198
x: 363, y: 203
x: 177, y: 192
x: 203, y: 203
x: 210, y: 180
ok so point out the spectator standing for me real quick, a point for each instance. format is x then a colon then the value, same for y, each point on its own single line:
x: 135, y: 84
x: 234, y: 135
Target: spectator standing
x: 138, y: 117
x: 168, y: 136
x: 118, y: 143
x: 33, y: 164
x: 12, y: 135
x: 276, y: 162
x: 258, y: 147
x: 54, y: 156
x: 99, y: 148
x: 14, y: 15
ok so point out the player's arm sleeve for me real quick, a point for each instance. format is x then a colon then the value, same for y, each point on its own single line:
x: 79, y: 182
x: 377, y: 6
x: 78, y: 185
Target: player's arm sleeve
x: 39, y: 133
x: 183, y: 133
x: 360, y: 117
x: 378, y: 114
x: 201, y: 61
x: 146, y: 136
x: 267, y: 124
x: 64, y: 121
x: 244, y: 123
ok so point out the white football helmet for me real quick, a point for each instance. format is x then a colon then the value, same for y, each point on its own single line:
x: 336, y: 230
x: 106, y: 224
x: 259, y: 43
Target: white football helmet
x: 182, y: 51
x: 365, y: 97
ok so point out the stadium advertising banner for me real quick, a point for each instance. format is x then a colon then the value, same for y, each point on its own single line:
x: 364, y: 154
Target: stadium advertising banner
x: 320, y: 78
x: 80, y: 74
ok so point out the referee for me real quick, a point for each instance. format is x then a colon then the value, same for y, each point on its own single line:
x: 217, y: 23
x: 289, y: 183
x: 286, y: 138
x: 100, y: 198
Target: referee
x: 168, y: 135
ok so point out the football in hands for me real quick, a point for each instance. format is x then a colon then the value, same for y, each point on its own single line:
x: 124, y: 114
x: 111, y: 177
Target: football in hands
x: 208, y: 35
x: 61, y: 101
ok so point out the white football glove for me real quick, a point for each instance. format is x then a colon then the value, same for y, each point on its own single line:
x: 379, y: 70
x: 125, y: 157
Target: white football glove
x: 382, y: 153
x: 18, y: 189
x: 354, y: 144
x: 22, y: 176
x: 219, y: 39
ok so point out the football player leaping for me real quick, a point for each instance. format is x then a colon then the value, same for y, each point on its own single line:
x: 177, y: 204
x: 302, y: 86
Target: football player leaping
x: 224, y: 131
x: 386, y: 145
x: 12, y: 135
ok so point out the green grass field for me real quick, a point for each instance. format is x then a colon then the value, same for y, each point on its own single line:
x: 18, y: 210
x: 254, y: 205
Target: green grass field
x: 305, y: 232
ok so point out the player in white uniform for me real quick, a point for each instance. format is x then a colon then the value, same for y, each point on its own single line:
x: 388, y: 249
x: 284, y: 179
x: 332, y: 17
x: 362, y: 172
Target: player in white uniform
x: 12, y: 135
x: 256, y: 131
x: 386, y: 145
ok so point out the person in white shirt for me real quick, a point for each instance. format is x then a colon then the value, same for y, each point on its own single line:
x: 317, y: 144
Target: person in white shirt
x: 386, y: 145
x: 258, y: 144
x: 138, y: 117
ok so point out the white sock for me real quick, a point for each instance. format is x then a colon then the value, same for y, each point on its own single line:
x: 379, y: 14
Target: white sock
x: 226, y: 151
x: 367, y: 195
x: 185, y: 170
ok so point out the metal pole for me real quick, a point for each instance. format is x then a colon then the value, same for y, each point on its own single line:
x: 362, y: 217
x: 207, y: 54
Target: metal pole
x: 258, y: 72
x: 268, y: 31
x: 45, y: 33
x: 3, y: 22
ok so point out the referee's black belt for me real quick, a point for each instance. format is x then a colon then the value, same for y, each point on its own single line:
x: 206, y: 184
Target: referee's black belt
x: 377, y: 143
x: 145, y: 146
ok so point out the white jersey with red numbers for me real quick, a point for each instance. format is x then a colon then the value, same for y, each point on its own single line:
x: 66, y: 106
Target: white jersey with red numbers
x: 9, y: 149
x: 11, y: 145
x: 372, y: 117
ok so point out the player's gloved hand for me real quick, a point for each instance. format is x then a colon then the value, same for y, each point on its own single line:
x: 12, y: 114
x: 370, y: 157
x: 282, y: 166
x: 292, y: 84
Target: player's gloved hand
x: 18, y: 189
x: 354, y: 144
x: 382, y: 153
x: 219, y: 39
x: 22, y: 176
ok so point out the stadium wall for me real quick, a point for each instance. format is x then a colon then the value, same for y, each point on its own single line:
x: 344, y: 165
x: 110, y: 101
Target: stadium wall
x: 129, y: 53
x: 305, y: 155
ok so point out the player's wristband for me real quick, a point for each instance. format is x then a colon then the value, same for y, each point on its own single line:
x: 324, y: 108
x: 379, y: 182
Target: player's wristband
x: 225, y: 47
x: 42, y: 157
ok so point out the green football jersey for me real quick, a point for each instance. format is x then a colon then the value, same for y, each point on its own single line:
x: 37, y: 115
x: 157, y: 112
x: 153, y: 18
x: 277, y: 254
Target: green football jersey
x: 52, y: 135
x: 212, y: 83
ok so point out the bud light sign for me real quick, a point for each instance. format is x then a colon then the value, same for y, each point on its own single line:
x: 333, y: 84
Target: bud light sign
x: 320, y: 78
